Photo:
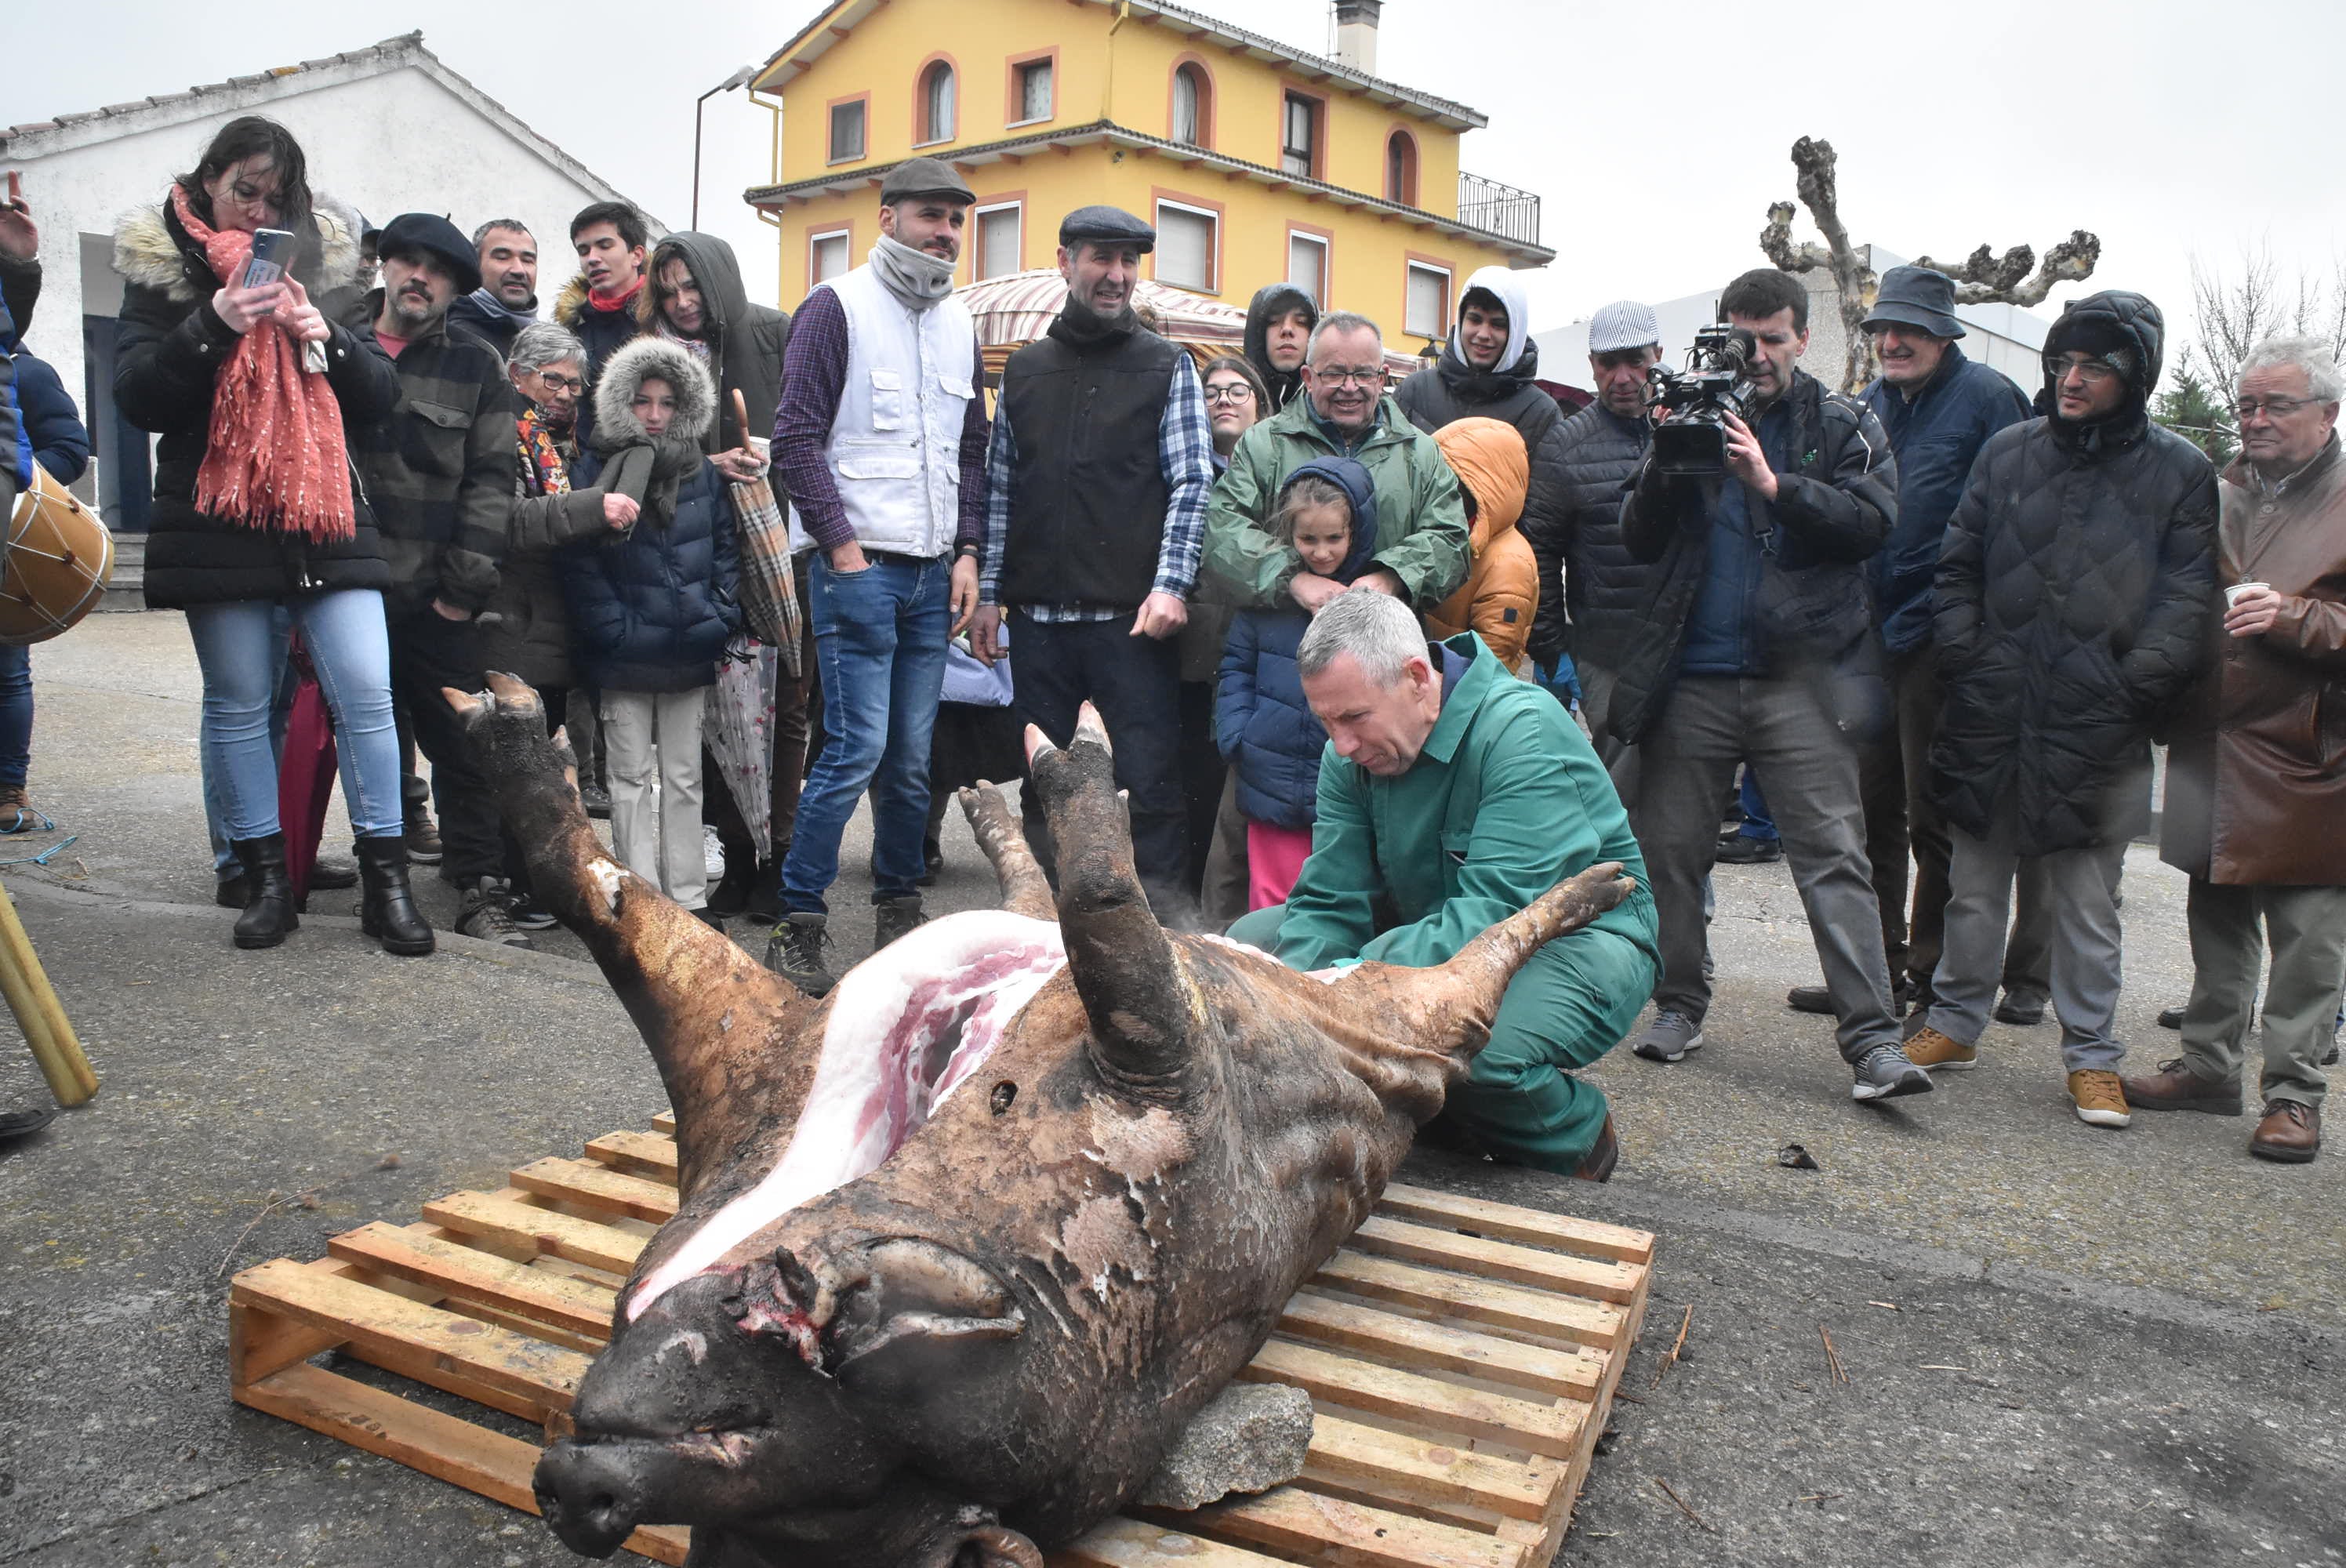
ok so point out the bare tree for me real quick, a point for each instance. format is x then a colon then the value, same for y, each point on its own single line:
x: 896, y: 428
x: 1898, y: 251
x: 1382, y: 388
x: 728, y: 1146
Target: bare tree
x: 2234, y: 314
x: 2014, y: 277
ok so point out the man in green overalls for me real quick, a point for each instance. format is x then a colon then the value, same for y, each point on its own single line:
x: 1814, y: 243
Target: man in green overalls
x: 1451, y: 795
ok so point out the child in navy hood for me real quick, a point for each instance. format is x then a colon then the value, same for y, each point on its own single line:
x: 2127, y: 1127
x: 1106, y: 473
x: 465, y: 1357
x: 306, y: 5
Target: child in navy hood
x: 1328, y: 510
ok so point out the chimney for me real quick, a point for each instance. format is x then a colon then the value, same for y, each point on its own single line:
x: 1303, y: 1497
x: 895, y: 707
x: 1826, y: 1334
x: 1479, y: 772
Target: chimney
x: 1356, y: 33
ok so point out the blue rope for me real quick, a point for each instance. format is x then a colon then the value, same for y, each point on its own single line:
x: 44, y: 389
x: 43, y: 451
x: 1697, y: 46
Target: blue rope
x: 39, y: 824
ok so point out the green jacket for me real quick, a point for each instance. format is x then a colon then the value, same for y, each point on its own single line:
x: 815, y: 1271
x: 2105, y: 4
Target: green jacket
x: 1420, y: 520
x: 1506, y: 801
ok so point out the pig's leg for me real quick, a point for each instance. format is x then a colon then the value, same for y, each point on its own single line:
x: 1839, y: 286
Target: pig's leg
x: 1145, y: 1013
x: 1025, y: 889
x: 715, y: 1020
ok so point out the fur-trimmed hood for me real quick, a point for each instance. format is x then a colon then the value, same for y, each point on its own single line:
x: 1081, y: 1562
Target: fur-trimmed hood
x: 150, y: 250
x: 625, y: 372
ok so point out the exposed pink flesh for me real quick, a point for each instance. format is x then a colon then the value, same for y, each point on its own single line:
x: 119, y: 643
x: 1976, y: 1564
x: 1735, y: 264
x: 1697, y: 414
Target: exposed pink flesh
x: 889, y: 1059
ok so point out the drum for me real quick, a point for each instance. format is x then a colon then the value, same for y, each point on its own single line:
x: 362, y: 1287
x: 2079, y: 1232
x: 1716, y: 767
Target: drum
x: 57, y: 559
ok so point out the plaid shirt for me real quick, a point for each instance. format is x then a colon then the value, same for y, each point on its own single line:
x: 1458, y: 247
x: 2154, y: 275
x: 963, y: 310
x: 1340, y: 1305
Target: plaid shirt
x: 1185, y: 451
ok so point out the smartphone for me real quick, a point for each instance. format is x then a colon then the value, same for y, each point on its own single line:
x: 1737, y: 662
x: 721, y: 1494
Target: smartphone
x: 272, y: 249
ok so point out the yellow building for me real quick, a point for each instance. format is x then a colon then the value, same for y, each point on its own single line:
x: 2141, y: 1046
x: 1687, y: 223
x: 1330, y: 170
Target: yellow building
x: 1256, y: 162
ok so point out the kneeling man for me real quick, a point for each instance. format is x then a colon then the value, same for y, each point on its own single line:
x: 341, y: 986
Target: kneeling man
x: 1451, y: 795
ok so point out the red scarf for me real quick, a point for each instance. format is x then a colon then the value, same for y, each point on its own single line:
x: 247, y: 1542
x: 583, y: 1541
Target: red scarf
x: 617, y: 302
x: 273, y: 456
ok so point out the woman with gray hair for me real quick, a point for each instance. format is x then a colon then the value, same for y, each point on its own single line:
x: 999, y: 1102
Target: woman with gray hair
x: 526, y: 632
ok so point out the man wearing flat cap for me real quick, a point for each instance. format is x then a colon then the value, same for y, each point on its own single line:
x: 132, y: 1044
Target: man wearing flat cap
x: 1100, y: 467
x: 1938, y: 406
x: 439, y: 477
x: 880, y: 437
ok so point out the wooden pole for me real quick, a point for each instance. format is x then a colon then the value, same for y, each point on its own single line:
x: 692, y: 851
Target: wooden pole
x: 39, y: 1013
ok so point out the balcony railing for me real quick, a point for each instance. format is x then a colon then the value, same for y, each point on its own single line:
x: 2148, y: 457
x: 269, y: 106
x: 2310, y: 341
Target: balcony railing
x: 1500, y: 208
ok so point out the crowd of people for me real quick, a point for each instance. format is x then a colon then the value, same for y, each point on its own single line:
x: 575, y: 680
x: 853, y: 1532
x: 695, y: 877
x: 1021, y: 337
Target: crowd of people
x: 1378, y: 664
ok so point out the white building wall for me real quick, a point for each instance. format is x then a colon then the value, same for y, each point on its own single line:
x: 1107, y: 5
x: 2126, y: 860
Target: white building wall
x: 387, y: 143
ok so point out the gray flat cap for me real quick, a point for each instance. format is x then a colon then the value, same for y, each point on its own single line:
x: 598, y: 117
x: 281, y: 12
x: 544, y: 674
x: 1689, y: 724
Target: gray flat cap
x: 918, y: 176
x: 1106, y: 225
x: 1623, y: 325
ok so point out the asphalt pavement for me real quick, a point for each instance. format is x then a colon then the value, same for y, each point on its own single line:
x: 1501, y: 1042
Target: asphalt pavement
x: 2062, y: 1345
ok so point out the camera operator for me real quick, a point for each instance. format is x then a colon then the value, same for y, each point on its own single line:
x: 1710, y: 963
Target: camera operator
x: 1764, y: 648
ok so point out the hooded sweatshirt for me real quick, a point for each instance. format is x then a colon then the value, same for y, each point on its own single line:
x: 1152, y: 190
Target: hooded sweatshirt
x: 1262, y: 724
x: 1450, y: 390
x: 745, y: 340
x: 1271, y: 301
x: 1502, y: 586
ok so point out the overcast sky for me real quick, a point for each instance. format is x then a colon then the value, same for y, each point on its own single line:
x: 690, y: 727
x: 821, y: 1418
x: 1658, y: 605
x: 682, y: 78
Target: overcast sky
x: 1657, y: 132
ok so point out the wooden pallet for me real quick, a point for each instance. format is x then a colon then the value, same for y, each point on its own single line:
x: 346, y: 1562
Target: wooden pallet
x: 1463, y: 1357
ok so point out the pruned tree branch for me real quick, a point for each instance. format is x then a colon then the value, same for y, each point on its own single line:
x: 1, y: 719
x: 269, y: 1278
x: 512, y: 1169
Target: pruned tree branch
x: 1983, y: 278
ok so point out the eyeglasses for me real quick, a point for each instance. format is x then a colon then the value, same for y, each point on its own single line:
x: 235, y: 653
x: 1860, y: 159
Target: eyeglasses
x: 562, y: 383
x: 2095, y: 372
x: 1231, y: 391
x: 2247, y: 408
x: 1336, y: 378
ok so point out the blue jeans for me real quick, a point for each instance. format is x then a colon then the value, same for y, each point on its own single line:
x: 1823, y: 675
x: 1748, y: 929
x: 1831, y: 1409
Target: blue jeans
x: 880, y: 642
x: 1757, y: 823
x: 281, y: 635
x: 15, y: 714
x: 241, y: 657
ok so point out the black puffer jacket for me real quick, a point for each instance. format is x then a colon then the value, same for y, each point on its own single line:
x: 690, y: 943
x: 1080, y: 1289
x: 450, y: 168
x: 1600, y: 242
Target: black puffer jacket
x: 1585, y: 564
x: 2072, y: 600
x: 1830, y: 513
x: 172, y: 346
x: 1449, y: 390
x: 745, y: 340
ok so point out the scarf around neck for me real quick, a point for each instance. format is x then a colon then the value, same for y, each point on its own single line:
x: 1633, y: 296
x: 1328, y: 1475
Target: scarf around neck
x: 497, y: 309
x: 1079, y: 326
x: 916, y: 277
x: 274, y: 456
x: 613, y: 303
x: 543, y: 470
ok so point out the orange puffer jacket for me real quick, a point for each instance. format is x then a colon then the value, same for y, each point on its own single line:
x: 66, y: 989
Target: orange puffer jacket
x: 1502, y: 586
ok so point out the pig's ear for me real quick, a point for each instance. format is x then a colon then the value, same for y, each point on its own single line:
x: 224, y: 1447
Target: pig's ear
x: 915, y: 1298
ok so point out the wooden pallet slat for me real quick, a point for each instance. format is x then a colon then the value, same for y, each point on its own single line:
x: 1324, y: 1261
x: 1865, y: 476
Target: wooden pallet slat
x: 1460, y: 1354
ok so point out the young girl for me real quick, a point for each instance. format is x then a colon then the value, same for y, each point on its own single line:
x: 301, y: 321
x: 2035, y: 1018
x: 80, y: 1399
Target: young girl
x: 1327, y: 511
x: 653, y: 605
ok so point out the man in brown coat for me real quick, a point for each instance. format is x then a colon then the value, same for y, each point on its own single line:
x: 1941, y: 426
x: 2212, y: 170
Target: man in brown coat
x: 2256, y: 793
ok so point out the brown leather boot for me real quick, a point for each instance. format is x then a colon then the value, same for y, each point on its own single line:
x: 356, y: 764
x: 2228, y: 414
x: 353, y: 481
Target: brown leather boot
x: 2175, y: 1087
x: 1598, y: 1164
x: 2290, y: 1133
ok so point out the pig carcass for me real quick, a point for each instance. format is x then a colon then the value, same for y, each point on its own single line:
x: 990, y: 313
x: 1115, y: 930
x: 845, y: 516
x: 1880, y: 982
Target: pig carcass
x: 962, y: 1247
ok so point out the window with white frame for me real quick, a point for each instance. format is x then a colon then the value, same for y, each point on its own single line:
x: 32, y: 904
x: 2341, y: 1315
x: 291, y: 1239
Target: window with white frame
x: 1187, y: 245
x: 1426, y: 311
x: 1190, y: 105
x: 996, y: 253
x: 1298, y: 136
x: 937, y: 92
x: 1306, y: 265
x: 826, y: 256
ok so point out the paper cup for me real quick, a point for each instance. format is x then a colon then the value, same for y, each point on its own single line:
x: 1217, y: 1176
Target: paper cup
x: 2232, y: 595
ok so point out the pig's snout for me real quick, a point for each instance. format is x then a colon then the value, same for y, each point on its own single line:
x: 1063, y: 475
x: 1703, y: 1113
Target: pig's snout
x: 590, y: 1494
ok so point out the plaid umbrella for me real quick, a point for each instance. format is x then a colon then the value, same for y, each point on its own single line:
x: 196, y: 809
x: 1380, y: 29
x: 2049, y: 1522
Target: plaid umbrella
x: 770, y: 595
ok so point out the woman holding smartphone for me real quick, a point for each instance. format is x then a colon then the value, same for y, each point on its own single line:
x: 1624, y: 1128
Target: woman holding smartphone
x: 250, y: 385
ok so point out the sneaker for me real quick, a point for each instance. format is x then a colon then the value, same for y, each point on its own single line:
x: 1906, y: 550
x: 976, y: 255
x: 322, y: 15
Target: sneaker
x: 595, y: 799
x: 423, y: 836
x: 1670, y: 1037
x: 2020, y: 1009
x: 797, y: 952
x: 892, y: 918
x: 1884, y: 1072
x: 2170, y: 1018
x: 526, y: 911
x: 481, y: 913
x: 712, y: 852
x: 2099, y: 1097
x: 1743, y: 849
x: 1929, y: 1050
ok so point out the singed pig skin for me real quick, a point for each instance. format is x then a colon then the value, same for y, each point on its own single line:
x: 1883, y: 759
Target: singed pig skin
x: 984, y: 1345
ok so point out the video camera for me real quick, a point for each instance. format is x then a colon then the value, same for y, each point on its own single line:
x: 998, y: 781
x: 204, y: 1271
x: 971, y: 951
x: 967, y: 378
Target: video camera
x: 1691, y: 406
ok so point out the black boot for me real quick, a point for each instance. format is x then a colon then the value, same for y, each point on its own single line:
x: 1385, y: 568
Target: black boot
x: 388, y: 912
x: 268, y: 893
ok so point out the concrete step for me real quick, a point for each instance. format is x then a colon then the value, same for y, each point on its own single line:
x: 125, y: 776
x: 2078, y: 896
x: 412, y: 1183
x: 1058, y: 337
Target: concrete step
x: 126, y: 589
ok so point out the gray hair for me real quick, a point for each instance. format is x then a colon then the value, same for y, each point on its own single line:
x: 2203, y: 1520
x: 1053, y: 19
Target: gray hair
x: 1339, y: 321
x: 544, y: 343
x: 2324, y: 379
x: 1381, y: 633
x: 482, y: 234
